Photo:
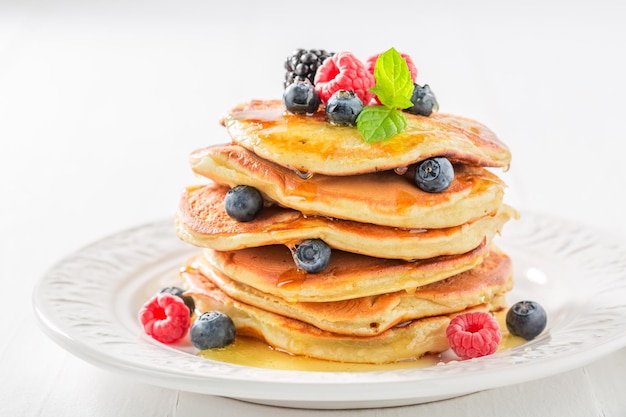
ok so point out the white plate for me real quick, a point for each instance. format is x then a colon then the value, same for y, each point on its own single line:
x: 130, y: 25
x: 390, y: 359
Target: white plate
x: 89, y: 301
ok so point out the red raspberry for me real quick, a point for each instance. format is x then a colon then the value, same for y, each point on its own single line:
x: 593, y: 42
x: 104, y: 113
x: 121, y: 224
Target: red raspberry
x: 474, y: 334
x: 165, y: 317
x: 371, y: 63
x: 343, y: 71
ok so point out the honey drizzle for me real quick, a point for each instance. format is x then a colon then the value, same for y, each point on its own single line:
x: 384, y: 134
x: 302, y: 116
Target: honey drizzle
x: 255, y: 353
x: 291, y: 278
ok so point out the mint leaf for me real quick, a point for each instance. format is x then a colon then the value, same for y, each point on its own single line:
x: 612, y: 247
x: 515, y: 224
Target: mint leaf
x: 377, y: 123
x: 394, y: 88
x: 394, y: 85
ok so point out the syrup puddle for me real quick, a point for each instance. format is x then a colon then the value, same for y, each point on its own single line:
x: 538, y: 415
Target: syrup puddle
x: 254, y: 353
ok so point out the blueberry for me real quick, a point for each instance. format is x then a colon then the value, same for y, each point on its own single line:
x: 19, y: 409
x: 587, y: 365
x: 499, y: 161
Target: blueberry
x: 424, y: 101
x: 343, y: 107
x: 191, y: 305
x: 526, y: 319
x: 212, y: 329
x: 243, y: 203
x: 434, y: 175
x: 300, y: 97
x: 312, y: 255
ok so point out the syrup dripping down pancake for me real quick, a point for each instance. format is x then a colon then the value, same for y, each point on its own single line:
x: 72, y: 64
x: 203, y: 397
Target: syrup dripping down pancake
x: 311, y: 144
x: 367, y: 316
x: 384, y: 198
x: 202, y: 221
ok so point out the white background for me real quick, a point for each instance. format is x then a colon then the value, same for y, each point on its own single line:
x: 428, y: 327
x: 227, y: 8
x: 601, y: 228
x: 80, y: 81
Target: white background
x: 101, y: 103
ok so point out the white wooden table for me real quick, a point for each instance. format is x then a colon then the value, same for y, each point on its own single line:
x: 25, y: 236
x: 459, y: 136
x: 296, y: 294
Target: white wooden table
x: 102, y: 101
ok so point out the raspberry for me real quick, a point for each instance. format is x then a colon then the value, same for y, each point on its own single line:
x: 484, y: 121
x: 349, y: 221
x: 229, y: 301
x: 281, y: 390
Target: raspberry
x: 165, y: 317
x: 343, y: 71
x: 473, y: 334
x: 187, y: 299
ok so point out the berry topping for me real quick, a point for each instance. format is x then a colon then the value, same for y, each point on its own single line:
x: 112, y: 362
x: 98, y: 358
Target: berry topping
x: 165, y: 317
x: 179, y: 292
x: 434, y: 175
x: 343, y: 71
x: 301, y: 98
x: 370, y: 64
x: 312, y: 255
x: 526, y: 319
x: 212, y: 329
x: 472, y: 335
x: 424, y: 101
x: 243, y: 203
x: 343, y: 107
x: 303, y: 64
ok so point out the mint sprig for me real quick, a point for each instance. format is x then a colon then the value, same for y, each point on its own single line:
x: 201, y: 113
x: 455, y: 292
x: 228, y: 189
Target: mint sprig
x: 377, y: 123
x: 393, y: 88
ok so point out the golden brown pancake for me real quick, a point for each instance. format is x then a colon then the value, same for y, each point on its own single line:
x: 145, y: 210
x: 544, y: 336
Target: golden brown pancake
x: 311, y: 144
x: 202, y: 221
x: 271, y: 269
x: 368, y: 316
x: 408, y: 341
x: 383, y: 198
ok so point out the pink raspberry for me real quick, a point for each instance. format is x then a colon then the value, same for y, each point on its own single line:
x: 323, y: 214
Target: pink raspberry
x: 474, y: 334
x: 343, y: 71
x: 370, y: 64
x: 165, y: 317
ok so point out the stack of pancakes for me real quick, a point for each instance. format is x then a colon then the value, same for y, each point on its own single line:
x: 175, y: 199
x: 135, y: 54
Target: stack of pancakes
x: 404, y: 261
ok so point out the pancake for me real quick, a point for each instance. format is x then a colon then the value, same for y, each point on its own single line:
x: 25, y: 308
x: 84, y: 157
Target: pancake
x: 202, y: 221
x: 311, y: 144
x: 408, y: 341
x: 384, y: 198
x: 271, y: 269
x: 368, y: 316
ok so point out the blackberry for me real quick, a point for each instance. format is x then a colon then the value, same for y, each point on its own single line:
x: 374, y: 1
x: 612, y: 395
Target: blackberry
x: 303, y: 64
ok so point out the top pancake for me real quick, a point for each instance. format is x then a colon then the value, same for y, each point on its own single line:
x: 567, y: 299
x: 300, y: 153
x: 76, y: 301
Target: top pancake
x: 312, y: 145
